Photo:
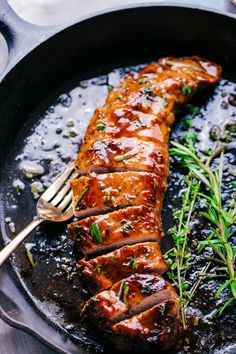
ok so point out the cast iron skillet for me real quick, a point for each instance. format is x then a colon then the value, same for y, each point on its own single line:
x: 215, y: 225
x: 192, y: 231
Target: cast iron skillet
x: 44, y: 58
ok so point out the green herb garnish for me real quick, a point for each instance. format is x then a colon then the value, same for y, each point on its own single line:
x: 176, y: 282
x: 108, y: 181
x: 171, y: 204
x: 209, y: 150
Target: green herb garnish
x: 127, y: 227
x: 113, y: 201
x: 133, y: 264
x: 101, y: 127
x: 213, y: 136
x: 72, y: 134
x: 84, y: 191
x: 143, y: 80
x: 124, y: 157
x: 123, y: 291
x: 188, y: 123
x: 207, y: 152
x: 96, y: 233
x: 190, y: 137
x: 203, y: 184
x: 194, y: 110
x: 147, y: 89
x: 186, y: 90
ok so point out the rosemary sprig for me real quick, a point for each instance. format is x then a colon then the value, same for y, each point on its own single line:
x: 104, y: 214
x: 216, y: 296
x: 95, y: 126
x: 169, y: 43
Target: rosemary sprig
x: 220, y: 217
x: 179, y: 257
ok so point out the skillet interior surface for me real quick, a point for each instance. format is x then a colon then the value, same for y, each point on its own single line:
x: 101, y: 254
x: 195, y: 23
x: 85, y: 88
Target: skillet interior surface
x: 78, y: 62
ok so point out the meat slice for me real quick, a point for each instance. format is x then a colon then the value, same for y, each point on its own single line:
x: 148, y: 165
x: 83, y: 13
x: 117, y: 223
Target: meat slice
x: 103, y: 233
x: 128, y: 297
x: 123, y: 154
x: 96, y: 193
x: 153, y: 329
x: 102, y: 272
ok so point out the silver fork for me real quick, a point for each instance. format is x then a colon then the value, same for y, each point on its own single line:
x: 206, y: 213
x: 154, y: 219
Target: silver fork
x: 53, y: 205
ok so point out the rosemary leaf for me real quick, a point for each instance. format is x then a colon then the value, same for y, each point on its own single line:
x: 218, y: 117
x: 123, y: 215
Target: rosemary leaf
x: 96, y: 233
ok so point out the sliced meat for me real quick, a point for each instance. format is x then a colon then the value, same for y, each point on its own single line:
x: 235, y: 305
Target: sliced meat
x: 102, y: 272
x: 123, y: 154
x: 153, y: 329
x: 130, y: 133
x: 102, y: 233
x: 128, y: 297
x: 96, y: 193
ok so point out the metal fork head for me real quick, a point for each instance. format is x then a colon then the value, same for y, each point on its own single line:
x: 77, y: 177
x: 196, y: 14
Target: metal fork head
x: 55, y: 204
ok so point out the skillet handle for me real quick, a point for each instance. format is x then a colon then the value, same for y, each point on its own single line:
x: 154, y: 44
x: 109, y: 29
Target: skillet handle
x: 21, y: 36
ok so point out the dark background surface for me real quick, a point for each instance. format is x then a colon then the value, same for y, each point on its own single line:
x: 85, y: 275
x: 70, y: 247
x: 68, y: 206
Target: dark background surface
x: 13, y: 341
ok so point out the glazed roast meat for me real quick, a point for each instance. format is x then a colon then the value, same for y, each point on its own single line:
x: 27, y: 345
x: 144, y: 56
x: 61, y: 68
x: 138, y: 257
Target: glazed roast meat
x: 102, y: 272
x: 118, y: 228
x: 123, y: 166
x: 159, y: 326
x: 126, y: 142
x: 128, y: 297
x: 104, y: 192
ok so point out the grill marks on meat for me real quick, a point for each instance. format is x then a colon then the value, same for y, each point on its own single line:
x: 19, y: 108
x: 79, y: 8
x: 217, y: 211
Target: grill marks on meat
x: 118, y: 228
x: 125, y: 157
x: 128, y: 297
x: 101, y: 193
x: 102, y: 272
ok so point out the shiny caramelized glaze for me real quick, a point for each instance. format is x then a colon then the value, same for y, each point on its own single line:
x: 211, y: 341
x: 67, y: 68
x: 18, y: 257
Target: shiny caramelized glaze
x: 136, y: 117
x: 124, y: 154
x: 128, y: 297
x: 123, y: 226
x: 130, y: 133
x: 157, y: 325
x: 102, y: 272
x: 116, y: 190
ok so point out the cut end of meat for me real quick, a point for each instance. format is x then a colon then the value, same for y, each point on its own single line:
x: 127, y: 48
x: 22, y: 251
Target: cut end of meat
x: 102, y: 272
x: 155, y: 328
x: 128, y: 297
x: 103, y: 233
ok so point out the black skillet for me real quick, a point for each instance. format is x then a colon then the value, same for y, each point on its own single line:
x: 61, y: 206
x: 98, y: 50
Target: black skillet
x: 43, y: 59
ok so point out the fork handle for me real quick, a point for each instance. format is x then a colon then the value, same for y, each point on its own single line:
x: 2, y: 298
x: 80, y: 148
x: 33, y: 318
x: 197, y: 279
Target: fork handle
x: 12, y: 246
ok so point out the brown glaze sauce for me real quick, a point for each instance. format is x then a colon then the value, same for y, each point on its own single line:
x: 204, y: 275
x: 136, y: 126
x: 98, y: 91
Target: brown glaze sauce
x: 45, y: 150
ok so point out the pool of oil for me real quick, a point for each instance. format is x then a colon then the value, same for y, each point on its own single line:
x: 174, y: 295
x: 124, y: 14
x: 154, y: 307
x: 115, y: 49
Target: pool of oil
x: 45, y: 145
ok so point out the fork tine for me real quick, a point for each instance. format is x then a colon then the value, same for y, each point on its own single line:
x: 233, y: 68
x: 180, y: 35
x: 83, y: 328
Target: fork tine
x: 58, y: 183
x: 68, y: 213
x: 65, y: 201
x: 62, y: 193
